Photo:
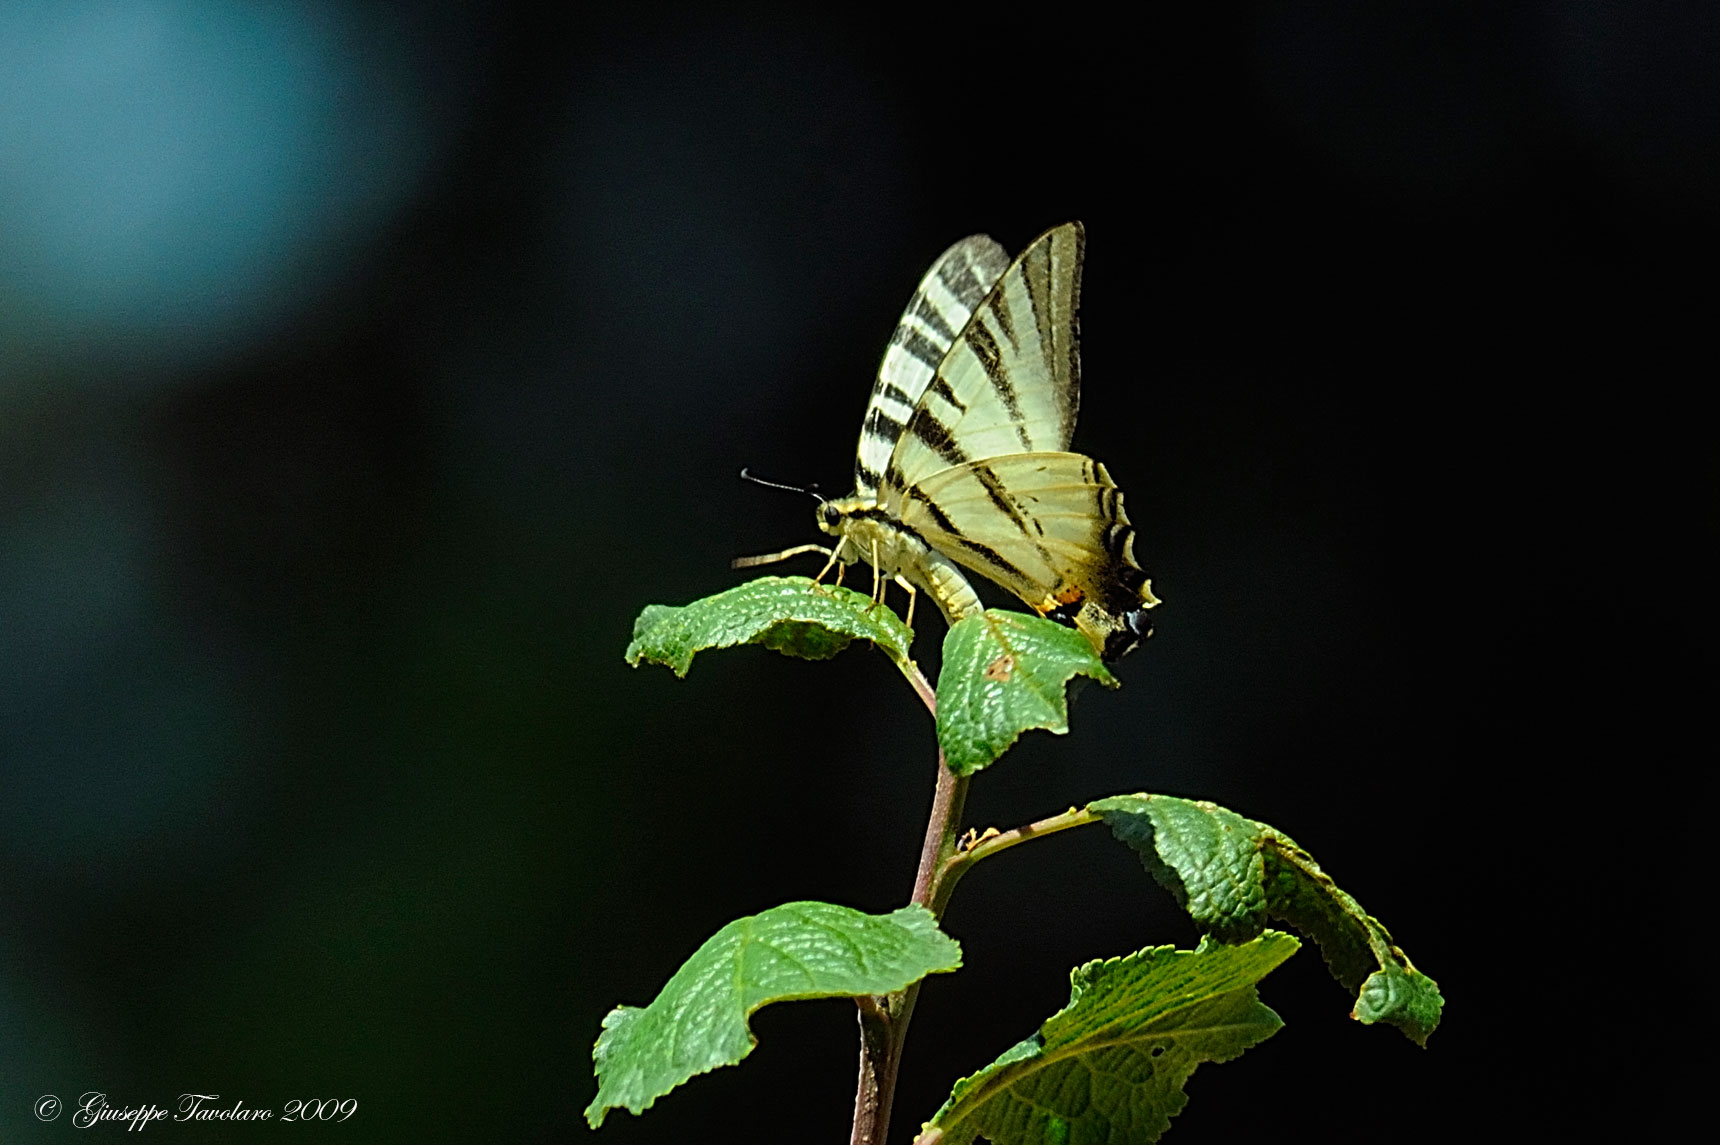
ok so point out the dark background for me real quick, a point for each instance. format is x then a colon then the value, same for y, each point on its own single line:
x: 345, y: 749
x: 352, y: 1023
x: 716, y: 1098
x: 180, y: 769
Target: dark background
x: 364, y: 372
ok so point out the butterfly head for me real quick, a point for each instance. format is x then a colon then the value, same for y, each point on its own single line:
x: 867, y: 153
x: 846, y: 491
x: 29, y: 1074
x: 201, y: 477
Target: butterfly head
x: 830, y: 517
x: 859, y: 519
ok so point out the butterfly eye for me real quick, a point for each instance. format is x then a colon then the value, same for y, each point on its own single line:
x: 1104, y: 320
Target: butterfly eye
x: 827, y: 512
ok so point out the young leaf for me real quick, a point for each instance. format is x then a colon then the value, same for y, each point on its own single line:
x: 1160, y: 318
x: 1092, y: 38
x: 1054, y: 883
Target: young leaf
x: 1233, y: 874
x: 788, y: 614
x: 1353, y: 942
x: 1004, y: 673
x: 1110, y: 1066
x: 698, y: 1021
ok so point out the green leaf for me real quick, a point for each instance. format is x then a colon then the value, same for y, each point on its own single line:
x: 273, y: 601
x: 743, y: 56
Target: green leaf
x: 1233, y: 874
x: 788, y: 614
x: 1208, y: 858
x: 1358, y: 949
x: 698, y: 1021
x: 1110, y: 1067
x: 1004, y: 673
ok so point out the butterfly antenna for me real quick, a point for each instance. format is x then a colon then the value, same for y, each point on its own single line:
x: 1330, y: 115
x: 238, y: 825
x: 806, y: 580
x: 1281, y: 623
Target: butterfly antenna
x: 810, y: 490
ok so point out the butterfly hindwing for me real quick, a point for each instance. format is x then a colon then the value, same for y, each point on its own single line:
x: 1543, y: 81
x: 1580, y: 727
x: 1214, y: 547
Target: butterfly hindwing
x: 940, y: 309
x: 1049, y: 527
x: 1010, y: 382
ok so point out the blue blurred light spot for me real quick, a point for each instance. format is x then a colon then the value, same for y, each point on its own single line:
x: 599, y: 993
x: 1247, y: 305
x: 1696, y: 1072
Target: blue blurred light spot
x: 121, y: 732
x: 173, y: 174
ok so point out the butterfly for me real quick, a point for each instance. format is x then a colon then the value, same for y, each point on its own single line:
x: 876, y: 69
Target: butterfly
x: 963, y: 461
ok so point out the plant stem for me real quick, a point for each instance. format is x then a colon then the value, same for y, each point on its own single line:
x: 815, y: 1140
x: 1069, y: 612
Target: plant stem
x: 872, y: 1095
x: 922, y: 687
x: 957, y: 864
x: 939, y: 846
x: 884, y: 1020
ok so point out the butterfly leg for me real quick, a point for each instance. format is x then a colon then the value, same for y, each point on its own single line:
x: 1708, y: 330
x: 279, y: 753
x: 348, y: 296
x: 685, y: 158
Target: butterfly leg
x: 772, y: 558
x: 913, y: 595
x: 823, y: 572
x: 877, y: 579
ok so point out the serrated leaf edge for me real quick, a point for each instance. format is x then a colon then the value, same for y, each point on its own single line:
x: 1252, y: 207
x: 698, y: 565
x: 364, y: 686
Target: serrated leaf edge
x: 1032, y: 1048
x: 1055, y: 695
x: 1388, y: 956
x: 914, y: 916
x: 879, y: 630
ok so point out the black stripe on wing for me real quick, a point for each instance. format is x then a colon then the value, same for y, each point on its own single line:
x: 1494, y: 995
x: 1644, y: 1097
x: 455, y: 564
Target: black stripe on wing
x: 985, y: 349
x: 936, y: 436
x: 973, y: 553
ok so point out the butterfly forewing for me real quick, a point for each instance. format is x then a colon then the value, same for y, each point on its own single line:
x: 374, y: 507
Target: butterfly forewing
x: 947, y: 296
x: 1010, y: 382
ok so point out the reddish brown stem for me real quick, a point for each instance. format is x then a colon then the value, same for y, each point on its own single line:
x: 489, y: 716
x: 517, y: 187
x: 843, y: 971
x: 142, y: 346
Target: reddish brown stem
x: 884, y: 1020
